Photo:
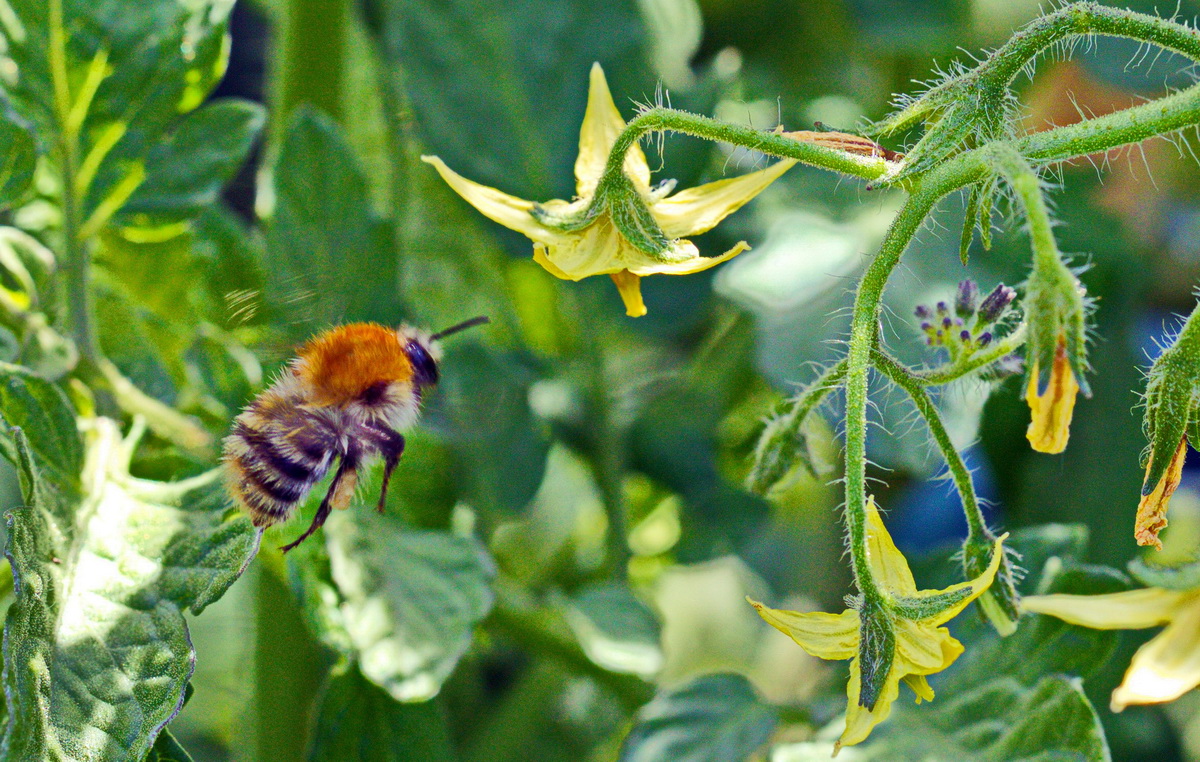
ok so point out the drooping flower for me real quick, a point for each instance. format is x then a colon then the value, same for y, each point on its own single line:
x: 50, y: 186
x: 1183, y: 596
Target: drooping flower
x: 1172, y: 419
x: 1163, y: 669
x: 900, y: 636
x: 617, y: 225
x: 1050, y: 411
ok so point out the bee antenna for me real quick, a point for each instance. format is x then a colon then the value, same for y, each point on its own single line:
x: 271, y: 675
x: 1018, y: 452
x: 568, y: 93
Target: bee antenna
x: 464, y: 325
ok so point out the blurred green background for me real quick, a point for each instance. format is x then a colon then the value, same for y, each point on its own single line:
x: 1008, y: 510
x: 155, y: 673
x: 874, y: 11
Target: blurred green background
x: 566, y: 404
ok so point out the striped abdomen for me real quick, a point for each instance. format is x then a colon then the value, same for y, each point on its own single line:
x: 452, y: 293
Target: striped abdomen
x: 275, y: 454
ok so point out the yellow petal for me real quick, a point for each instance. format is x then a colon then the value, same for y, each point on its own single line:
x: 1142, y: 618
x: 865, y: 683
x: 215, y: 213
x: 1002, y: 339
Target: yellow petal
x: 825, y: 636
x: 602, y: 123
x: 630, y: 288
x: 977, y: 586
x: 1152, y: 509
x: 598, y: 249
x: 888, y: 564
x: 860, y: 721
x: 697, y: 210
x: 922, y: 649
x: 539, y: 256
x: 1166, y: 667
x: 511, y: 212
x: 1050, y: 412
x: 684, y: 266
x: 920, y: 686
x: 1129, y: 610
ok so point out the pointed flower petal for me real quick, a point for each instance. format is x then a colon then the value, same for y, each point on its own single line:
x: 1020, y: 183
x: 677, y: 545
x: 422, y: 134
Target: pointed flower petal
x: 602, y: 123
x: 685, y: 266
x: 630, y: 288
x: 1166, y: 667
x: 511, y: 212
x: 825, y: 636
x: 1129, y: 610
x: 976, y: 586
x: 698, y: 210
x: 888, y: 564
x: 920, y: 686
x: 1051, y: 411
x: 1152, y: 509
x: 860, y: 721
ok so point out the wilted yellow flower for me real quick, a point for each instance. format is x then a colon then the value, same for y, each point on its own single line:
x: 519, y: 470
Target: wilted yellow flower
x: 921, y: 645
x: 599, y: 247
x: 1050, y: 412
x: 1152, y: 508
x: 1163, y: 669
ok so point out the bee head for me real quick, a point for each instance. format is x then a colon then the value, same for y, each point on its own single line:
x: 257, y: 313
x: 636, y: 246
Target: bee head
x: 424, y: 349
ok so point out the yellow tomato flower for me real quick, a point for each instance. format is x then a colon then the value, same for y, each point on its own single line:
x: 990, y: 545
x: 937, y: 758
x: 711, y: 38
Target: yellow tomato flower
x: 1152, y: 508
x: 599, y: 247
x: 1163, y: 669
x: 921, y: 645
x: 1051, y: 411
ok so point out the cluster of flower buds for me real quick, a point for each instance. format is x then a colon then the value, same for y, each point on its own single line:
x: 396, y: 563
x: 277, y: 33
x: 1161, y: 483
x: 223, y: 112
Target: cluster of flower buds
x: 967, y: 325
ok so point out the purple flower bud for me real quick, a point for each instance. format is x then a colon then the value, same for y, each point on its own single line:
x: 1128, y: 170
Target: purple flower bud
x: 995, y: 304
x: 926, y: 327
x: 946, y: 322
x: 985, y: 338
x: 965, y: 299
x: 942, y: 308
x: 965, y: 335
x: 921, y: 311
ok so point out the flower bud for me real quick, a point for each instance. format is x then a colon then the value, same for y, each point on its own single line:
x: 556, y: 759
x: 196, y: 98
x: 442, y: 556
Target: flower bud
x: 965, y: 299
x: 1056, y: 311
x: 995, y: 305
x: 1172, y: 413
x: 921, y: 311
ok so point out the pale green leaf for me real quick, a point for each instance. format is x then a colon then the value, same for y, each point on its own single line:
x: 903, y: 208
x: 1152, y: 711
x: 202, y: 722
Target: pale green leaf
x: 401, y: 602
x: 97, y: 655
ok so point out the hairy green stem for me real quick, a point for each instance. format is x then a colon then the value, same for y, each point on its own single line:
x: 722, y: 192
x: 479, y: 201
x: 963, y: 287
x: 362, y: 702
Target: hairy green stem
x: 774, y: 144
x: 914, y: 387
x: 863, y: 329
x: 77, y: 256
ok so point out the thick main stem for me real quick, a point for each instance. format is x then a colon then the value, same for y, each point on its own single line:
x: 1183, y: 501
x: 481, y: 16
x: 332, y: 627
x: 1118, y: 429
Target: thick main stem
x: 863, y: 329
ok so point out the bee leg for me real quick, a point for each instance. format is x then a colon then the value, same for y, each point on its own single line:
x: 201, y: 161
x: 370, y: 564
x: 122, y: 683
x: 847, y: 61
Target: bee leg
x: 348, y: 465
x: 392, y: 448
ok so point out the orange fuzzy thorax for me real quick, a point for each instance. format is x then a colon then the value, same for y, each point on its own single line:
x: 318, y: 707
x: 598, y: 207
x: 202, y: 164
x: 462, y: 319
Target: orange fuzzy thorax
x: 342, y: 363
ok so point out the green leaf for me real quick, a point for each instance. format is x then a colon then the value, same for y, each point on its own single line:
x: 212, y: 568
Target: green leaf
x: 520, y: 82
x: 715, y: 718
x: 167, y: 749
x: 332, y: 258
x: 42, y: 412
x: 402, y: 603
x: 616, y: 630
x: 358, y: 722
x: 97, y: 654
x: 17, y: 160
x: 110, y: 85
x: 999, y: 721
x: 186, y: 172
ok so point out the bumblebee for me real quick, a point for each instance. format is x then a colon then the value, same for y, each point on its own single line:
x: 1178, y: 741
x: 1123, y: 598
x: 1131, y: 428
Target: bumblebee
x: 346, y: 397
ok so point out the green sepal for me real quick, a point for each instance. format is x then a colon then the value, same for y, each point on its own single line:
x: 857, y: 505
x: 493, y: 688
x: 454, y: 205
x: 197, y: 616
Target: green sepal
x: 920, y: 608
x: 876, y: 652
x: 567, y: 222
x: 969, y: 220
x: 1183, y: 577
x: 987, y: 200
x: 632, y: 216
x: 785, y: 442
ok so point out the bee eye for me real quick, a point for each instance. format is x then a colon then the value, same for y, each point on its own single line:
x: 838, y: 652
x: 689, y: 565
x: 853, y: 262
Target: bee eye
x: 425, y: 372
